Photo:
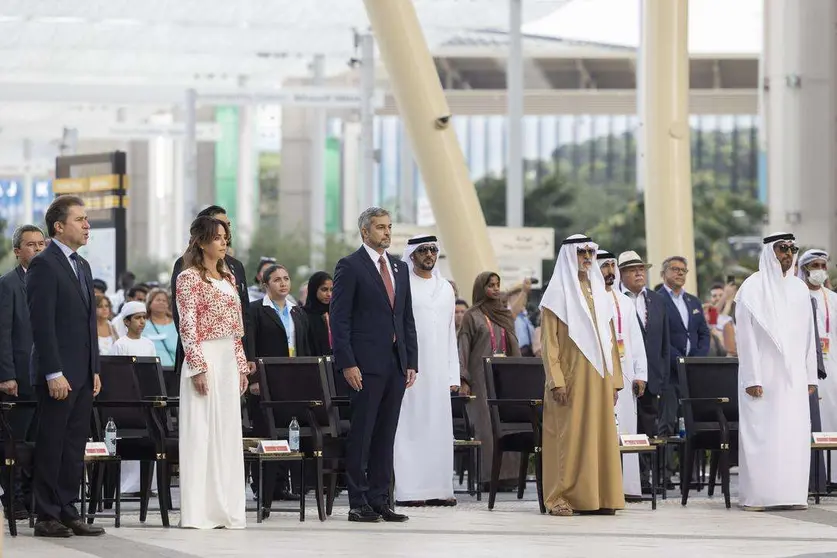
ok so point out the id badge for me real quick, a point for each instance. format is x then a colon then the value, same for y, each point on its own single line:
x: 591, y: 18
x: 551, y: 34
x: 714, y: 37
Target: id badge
x: 825, y: 342
x: 620, y: 346
x: 292, y: 351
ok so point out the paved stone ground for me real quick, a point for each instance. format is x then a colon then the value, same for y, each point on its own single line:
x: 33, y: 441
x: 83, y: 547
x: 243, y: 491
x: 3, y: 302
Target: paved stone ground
x: 514, y: 528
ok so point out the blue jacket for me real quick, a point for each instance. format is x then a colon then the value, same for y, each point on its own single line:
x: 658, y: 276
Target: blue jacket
x: 697, y: 333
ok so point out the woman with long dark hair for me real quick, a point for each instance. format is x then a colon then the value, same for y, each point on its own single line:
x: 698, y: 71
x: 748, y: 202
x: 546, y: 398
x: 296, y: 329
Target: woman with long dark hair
x: 213, y: 378
x: 320, y: 286
x: 487, y: 330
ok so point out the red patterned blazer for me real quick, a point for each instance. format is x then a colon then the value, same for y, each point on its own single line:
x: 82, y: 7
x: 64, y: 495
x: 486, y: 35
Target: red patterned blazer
x: 206, y: 313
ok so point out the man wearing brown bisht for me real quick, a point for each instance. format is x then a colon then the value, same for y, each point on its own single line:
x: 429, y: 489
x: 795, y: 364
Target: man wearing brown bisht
x: 581, y: 466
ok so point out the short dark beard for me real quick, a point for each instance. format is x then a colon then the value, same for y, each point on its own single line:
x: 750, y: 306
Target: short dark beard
x: 610, y: 279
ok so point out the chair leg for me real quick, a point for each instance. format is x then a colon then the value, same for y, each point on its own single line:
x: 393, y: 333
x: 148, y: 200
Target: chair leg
x: 145, y: 488
x: 724, y: 465
x: 11, y: 498
x: 685, y: 481
x: 332, y: 491
x: 97, y: 472
x: 163, y: 482
x: 496, y: 463
x: 713, y: 471
x: 539, y: 480
x: 521, y: 477
x: 321, y: 512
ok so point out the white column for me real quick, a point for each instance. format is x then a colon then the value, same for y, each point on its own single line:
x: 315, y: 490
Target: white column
x: 800, y: 106
x: 669, y: 219
x: 316, y: 226
x: 245, y: 195
x: 514, y: 85
x: 406, y: 181
x: 28, y: 184
x: 190, y: 157
x: 367, y: 121
x: 351, y: 186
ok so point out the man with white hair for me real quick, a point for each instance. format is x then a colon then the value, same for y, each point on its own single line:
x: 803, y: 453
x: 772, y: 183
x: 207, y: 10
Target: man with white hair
x: 813, y: 269
x: 581, y: 466
x: 777, y: 370
x: 631, y: 347
x: 424, y: 439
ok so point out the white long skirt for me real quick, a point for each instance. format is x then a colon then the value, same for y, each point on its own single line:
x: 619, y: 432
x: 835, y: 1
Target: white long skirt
x: 626, y: 414
x: 211, y: 447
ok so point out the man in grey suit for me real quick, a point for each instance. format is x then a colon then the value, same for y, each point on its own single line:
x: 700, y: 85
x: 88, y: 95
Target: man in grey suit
x: 15, y: 348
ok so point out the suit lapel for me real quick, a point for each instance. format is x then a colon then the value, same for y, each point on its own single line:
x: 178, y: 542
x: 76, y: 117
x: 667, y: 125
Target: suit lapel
x: 21, y: 275
x: 63, y: 262
x: 270, y: 311
x: 366, y: 261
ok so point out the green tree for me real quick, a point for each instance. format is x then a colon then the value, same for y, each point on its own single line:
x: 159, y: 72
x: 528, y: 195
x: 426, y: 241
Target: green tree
x: 293, y: 251
x: 7, y: 256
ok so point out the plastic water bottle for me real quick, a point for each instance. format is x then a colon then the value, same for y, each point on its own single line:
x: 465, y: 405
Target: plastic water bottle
x: 110, y: 436
x: 293, y: 435
x: 681, y: 425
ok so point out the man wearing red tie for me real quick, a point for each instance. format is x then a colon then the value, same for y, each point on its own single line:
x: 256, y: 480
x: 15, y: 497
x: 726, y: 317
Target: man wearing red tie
x: 374, y: 336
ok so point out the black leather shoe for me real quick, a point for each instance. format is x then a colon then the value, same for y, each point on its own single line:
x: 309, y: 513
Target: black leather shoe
x: 387, y: 514
x: 364, y: 514
x: 81, y: 529
x: 52, y: 529
x: 21, y: 513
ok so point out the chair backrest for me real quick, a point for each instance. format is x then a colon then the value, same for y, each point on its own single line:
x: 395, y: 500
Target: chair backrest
x: 150, y: 375
x: 708, y: 378
x: 120, y: 383
x: 172, y: 381
x: 295, y: 379
x: 514, y: 378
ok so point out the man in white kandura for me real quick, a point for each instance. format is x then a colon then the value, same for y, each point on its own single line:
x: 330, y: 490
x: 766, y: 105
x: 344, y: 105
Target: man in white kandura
x: 777, y: 370
x: 631, y: 347
x: 813, y: 269
x: 424, y: 439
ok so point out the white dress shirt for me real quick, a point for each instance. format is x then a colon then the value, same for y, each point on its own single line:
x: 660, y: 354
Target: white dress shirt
x: 375, y: 257
x: 639, y: 303
x: 683, y: 310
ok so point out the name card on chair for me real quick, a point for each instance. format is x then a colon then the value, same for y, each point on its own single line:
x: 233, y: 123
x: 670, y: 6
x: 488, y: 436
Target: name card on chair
x: 96, y: 449
x: 824, y: 437
x: 633, y: 440
x: 273, y: 446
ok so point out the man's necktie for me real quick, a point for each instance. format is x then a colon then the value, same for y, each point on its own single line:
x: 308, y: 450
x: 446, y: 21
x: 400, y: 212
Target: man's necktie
x: 382, y: 264
x: 81, y: 278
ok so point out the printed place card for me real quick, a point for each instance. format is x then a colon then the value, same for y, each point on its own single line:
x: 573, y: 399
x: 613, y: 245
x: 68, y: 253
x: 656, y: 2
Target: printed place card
x: 96, y: 449
x: 824, y: 437
x: 634, y: 440
x: 273, y: 446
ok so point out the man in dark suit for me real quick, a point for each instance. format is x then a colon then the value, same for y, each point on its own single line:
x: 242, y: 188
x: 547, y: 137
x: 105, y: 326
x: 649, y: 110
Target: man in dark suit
x: 688, y: 336
x: 237, y: 269
x: 15, y: 350
x: 64, y: 367
x: 375, y: 346
x: 653, y: 319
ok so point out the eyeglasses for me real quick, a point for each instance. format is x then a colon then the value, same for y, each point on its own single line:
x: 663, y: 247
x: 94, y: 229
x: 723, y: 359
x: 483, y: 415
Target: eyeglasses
x: 785, y: 248
x: 586, y: 251
x: 427, y: 249
x: 679, y: 270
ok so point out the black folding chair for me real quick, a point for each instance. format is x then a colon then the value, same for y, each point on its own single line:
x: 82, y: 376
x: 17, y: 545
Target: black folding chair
x: 140, y: 437
x: 709, y: 386
x: 299, y: 387
x: 515, y: 388
x: 16, y: 454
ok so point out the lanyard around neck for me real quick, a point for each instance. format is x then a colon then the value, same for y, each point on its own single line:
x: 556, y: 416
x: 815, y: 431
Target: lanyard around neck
x: 494, y: 338
x: 618, y: 315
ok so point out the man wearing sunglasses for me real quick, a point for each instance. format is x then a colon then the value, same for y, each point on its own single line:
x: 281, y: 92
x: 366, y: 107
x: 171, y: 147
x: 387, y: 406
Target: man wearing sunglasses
x: 424, y: 438
x: 777, y: 371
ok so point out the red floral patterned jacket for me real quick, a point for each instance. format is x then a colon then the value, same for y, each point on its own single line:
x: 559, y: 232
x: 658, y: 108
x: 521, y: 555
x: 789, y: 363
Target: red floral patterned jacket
x: 207, y: 313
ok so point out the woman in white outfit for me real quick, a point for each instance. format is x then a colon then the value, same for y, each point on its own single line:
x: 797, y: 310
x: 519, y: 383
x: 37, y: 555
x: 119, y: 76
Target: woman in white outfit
x: 213, y: 378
